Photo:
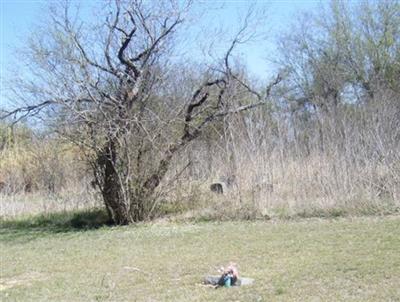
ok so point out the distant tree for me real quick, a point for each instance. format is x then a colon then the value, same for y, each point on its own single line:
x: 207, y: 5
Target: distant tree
x: 346, y: 45
x: 345, y: 55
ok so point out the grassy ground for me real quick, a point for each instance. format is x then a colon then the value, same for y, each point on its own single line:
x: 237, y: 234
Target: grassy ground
x: 66, y: 259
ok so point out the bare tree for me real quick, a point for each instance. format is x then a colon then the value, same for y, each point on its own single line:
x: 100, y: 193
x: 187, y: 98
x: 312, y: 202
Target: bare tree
x: 117, y: 90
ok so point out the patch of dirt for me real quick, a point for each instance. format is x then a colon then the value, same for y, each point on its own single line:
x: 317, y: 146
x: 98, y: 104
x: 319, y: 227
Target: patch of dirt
x: 25, y: 279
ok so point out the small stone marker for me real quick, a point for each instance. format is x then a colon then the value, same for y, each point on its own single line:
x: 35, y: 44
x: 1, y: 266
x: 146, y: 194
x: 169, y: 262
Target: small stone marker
x: 217, y: 188
x: 213, y: 280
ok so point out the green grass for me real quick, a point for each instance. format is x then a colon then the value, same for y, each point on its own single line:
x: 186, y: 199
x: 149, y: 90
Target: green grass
x: 60, y: 259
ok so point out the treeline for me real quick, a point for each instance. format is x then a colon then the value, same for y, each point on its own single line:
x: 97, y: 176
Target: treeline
x: 326, y: 142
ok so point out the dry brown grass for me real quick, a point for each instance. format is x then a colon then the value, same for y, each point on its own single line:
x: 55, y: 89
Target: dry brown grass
x: 23, y: 204
x: 267, y: 187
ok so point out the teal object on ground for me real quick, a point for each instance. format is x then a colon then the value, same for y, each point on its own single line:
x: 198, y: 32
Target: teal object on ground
x: 227, y: 282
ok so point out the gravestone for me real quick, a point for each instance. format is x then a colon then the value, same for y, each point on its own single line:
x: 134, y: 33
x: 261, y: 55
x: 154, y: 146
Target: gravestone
x: 217, y: 188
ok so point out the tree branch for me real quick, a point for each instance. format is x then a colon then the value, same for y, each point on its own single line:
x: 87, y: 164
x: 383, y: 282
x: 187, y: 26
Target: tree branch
x: 121, y: 56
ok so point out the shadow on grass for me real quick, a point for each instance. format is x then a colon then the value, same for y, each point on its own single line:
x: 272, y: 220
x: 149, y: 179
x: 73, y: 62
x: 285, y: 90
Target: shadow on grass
x: 33, y: 227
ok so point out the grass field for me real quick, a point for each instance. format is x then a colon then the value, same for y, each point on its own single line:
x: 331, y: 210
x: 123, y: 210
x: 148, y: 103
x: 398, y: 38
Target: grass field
x: 344, y: 259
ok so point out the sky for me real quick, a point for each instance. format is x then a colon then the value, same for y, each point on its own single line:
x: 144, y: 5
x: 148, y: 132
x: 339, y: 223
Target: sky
x: 19, y: 18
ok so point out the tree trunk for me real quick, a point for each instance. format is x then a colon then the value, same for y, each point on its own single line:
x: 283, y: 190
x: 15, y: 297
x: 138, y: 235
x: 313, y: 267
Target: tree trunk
x: 127, y: 202
x: 110, y: 186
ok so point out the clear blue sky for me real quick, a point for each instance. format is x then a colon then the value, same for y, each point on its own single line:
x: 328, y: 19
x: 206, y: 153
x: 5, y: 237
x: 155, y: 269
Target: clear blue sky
x: 18, y: 18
